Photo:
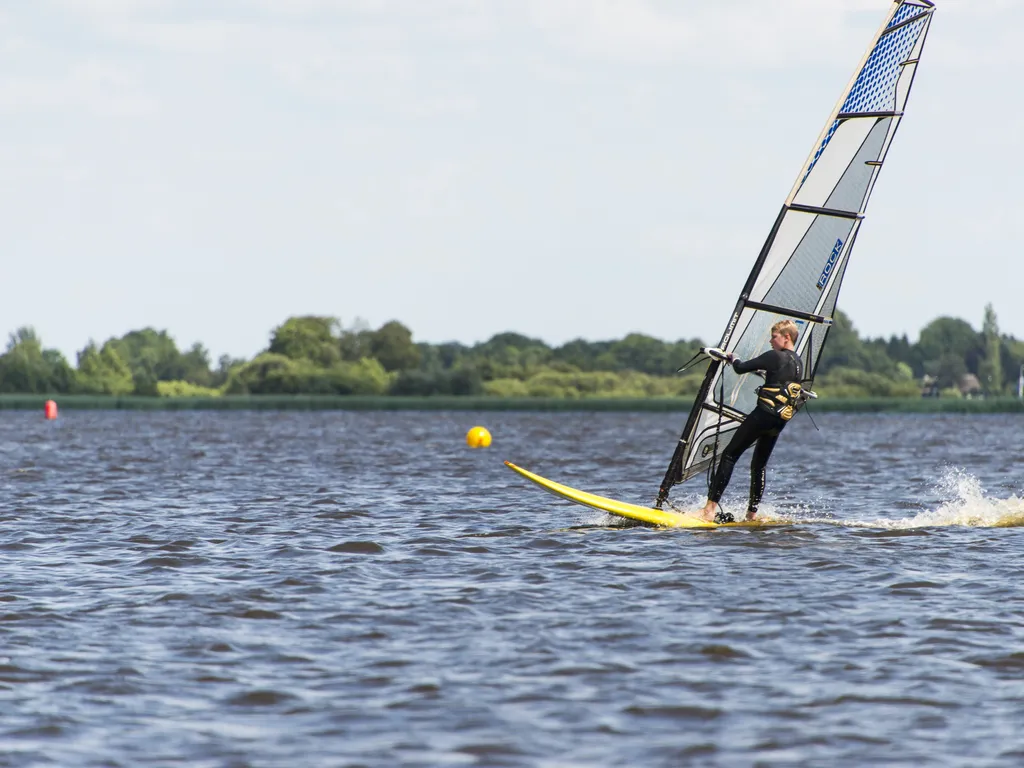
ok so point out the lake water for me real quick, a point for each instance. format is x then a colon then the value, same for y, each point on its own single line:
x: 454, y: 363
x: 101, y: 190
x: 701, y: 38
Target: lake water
x: 361, y: 589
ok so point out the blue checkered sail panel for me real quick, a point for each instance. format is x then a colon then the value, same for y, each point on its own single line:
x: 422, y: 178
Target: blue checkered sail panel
x: 904, y: 12
x: 874, y: 90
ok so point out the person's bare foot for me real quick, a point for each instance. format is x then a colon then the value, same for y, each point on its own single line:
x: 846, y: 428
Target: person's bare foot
x: 751, y: 516
x: 708, y: 512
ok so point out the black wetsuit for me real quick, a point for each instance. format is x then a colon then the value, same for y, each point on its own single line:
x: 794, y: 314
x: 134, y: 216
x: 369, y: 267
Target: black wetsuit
x: 762, y: 425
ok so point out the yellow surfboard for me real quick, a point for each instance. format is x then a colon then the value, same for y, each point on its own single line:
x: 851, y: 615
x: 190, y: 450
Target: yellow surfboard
x: 648, y: 515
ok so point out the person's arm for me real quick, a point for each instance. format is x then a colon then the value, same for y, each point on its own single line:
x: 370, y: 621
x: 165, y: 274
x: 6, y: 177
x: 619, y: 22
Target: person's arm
x: 769, y: 361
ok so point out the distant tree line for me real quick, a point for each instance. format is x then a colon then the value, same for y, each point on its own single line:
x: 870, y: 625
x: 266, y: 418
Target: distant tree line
x: 317, y: 355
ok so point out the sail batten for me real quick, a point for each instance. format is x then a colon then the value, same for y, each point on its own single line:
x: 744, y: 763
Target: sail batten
x: 905, y: 22
x: 795, y: 313
x: 825, y: 211
x: 799, y: 271
x: 855, y: 115
x: 724, y: 410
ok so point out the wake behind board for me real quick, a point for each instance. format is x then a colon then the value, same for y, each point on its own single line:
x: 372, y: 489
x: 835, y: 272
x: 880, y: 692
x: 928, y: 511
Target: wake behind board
x: 648, y: 515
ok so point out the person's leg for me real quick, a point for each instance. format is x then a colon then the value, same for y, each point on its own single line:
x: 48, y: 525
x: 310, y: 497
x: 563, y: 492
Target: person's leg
x: 742, y: 438
x: 758, y: 465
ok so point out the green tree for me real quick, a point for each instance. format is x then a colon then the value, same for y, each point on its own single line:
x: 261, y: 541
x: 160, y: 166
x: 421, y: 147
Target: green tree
x: 392, y: 345
x: 150, y: 354
x: 513, y: 350
x: 637, y: 352
x: 28, y: 368
x: 355, y: 344
x: 1012, y: 360
x: 901, y: 350
x: 949, y: 336
x: 447, y: 355
x: 420, y: 384
x: 462, y: 380
x: 269, y: 374
x: 195, y: 366
x: 274, y: 374
x: 990, y: 367
x: 365, y: 377
x: 312, y: 338
x: 581, y: 353
x: 102, y: 371
x: 844, y: 349
x: 144, y: 383
x: 852, y: 382
x: 225, y: 365
x: 949, y: 369
x: 355, y: 341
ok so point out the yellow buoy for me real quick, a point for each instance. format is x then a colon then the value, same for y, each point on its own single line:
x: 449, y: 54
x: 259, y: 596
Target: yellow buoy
x: 478, y: 437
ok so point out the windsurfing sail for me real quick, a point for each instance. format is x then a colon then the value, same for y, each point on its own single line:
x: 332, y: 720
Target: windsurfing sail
x: 800, y: 268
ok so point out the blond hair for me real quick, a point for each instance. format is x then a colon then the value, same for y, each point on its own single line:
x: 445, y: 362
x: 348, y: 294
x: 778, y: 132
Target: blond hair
x: 787, y: 328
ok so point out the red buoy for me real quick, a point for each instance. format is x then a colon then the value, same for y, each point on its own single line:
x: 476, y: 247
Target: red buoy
x: 50, y: 409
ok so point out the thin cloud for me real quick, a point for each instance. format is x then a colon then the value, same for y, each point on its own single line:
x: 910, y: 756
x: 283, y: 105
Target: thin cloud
x: 630, y: 30
x: 97, y: 86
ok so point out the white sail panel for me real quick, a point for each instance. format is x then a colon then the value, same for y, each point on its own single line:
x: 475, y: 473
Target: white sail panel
x: 788, y: 237
x: 851, y: 192
x: 710, y: 438
x: 850, y: 163
x: 833, y: 162
x: 809, y: 266
x: 810, y: 344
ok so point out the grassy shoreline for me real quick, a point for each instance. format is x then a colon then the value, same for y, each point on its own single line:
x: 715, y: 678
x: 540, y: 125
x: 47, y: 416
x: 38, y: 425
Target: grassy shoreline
x: 391, y: 403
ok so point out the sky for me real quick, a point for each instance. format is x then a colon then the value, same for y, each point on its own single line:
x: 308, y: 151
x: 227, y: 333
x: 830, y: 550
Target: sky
x: 558, y: 168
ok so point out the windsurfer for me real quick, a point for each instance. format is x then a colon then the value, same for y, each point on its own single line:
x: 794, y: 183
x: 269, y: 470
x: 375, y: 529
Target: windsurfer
x: 778, y: 399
